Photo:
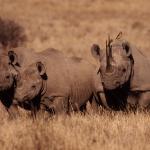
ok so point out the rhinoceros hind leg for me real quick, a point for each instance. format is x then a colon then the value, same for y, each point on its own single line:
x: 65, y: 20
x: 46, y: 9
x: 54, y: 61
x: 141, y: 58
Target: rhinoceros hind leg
x: 144, y: 101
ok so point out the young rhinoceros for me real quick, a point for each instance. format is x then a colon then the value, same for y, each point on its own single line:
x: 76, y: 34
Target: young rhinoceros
x: 56, y: 82
x: 124, y: 72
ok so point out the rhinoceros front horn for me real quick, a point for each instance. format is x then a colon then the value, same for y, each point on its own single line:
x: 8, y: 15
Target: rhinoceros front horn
x: 108, y: 56
x: 110, y: 48
x: 12, y: 57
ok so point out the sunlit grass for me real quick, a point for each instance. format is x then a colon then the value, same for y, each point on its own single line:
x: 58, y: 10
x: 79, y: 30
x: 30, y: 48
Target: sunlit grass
x: 72, y: 27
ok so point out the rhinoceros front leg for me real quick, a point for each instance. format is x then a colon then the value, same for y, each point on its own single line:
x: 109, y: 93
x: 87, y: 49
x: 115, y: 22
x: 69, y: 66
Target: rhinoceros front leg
x: 101, y: 98
x: 9, y: 111
x: 13, y: 111
x: 92, y: 105
x: 55, y: 105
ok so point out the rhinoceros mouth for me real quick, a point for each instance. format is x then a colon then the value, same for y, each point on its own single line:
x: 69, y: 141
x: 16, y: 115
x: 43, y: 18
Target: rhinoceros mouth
x: 4, y: 89
x: 112, y: 86
x: 114, y: 79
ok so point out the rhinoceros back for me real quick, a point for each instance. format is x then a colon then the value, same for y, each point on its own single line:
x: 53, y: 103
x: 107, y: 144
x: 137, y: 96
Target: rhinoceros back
x: 140, y: 80
x: 68, y: 77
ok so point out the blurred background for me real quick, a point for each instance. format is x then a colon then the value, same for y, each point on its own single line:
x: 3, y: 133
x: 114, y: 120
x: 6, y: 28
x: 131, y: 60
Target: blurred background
x: 74, y: 25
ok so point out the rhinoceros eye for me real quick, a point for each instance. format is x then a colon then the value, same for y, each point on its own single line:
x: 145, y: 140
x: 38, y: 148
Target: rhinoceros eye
x: 7, y: 77
x: 33, y: 86
x: 124, y: 70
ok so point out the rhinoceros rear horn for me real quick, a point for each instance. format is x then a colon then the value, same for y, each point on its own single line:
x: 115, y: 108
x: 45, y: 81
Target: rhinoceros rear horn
x: 95, y: 50
x: 41, y: 69
x: 13, y: 58
x: 127, y: 48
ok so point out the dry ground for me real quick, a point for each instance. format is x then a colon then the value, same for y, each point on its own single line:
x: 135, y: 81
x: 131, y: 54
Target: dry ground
x: 72, y: 26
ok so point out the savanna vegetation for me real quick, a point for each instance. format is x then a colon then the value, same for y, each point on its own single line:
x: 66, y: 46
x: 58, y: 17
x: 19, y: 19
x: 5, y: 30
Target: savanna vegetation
x: 72, y: 27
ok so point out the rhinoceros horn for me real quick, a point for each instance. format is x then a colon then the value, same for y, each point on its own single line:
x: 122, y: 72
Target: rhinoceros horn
x: 110, y: 47
x: 108, y: 55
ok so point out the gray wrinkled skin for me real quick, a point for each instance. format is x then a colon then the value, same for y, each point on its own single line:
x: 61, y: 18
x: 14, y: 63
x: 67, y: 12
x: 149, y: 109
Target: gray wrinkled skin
x: 28, y: 77
x: 7, y: 82
x: 124, y: 71
x: 120, y: 69
x: 59, y: 83
x: 115, y: 72
x: 6, y: 73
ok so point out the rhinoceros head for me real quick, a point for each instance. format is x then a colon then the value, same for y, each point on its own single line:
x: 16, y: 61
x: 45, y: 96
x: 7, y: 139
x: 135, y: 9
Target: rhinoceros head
x: 30, y: 82
x: 116, y: 62
x: 7, y: 72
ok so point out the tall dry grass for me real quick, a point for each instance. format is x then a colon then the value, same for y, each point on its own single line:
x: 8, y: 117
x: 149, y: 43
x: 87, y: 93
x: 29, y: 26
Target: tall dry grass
x: 78, y: 132
x: 72, y: 27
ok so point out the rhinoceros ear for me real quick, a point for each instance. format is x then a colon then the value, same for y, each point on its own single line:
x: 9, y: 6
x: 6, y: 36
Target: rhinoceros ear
x: 41, y: 69
x: 13, y: 58
x: 127, y: 48
x: 95, y: 50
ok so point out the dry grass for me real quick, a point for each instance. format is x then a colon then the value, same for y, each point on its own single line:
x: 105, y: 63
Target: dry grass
x: 73, y: 26
x: 77, y: 132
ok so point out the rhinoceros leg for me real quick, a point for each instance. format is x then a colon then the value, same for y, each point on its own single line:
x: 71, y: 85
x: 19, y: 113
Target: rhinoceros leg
x: 140, y: 100
x: 144, y: 100
x: 13, y: 111
x: 102, y: 100
x: 61, y: 105
x: 34, y: 111
x: 93, y: 104
x: 55, y: 105
x: 11, y: 108
x: 83, y: 108
x: 3, y: 110
x: 132, y: 101
x: 99, y: 99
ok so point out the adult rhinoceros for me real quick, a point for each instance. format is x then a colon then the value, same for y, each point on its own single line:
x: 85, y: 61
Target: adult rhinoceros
x: 7, y: 79
x: 125, y: 73
x: 8, y: 73
x: 56, y: 82
x: 11, y: 63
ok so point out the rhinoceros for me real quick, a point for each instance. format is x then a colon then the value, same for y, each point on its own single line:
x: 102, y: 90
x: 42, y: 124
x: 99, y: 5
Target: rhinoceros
x: 7, y: 82
x: 124, y: 71
x: 8, y: 74
x: 56, y: 83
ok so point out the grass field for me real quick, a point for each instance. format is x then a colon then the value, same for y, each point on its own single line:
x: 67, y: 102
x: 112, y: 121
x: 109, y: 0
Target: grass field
x: 78, y: 132
x: 73, y: 26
